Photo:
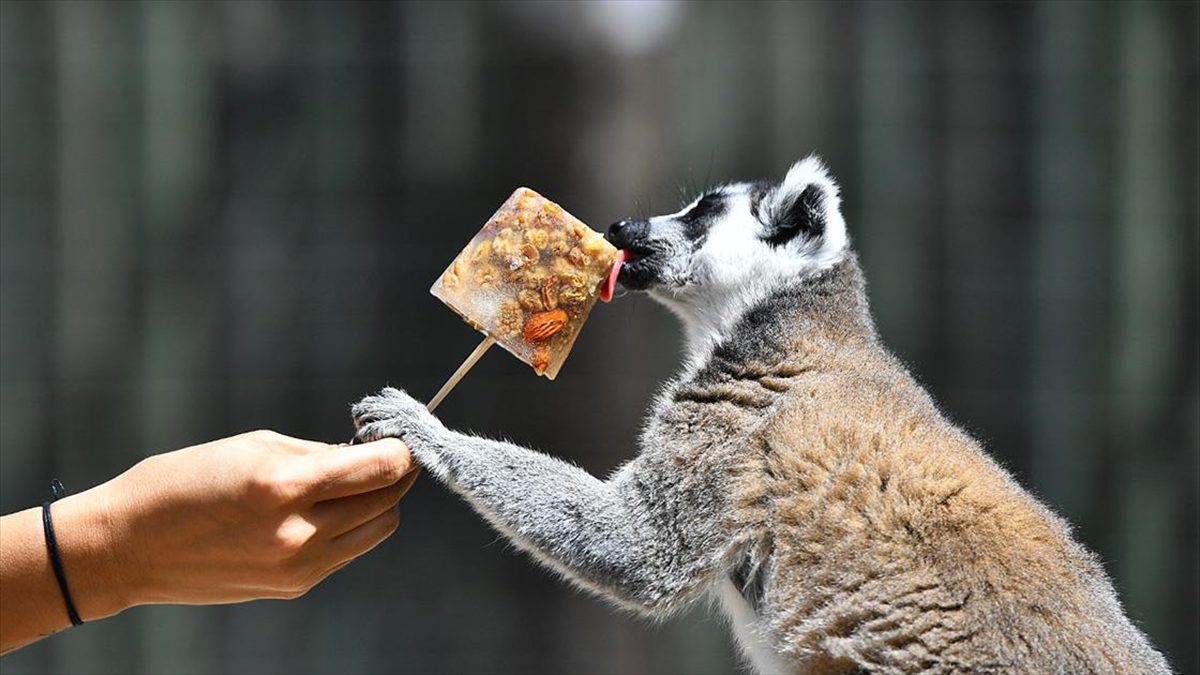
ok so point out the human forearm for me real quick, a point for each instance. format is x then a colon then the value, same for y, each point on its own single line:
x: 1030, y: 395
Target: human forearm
x: 31, y: 604
x: 258, y: 515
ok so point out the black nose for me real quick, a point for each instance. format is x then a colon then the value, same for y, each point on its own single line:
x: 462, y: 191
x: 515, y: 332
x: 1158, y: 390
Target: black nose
x: 623, y: 232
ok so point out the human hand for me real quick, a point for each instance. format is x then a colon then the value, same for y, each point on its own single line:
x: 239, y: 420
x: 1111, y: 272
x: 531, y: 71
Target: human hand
x: 259, y: 515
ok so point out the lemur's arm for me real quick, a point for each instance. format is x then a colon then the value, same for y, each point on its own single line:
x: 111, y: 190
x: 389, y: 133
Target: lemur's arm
x: 620, y: 537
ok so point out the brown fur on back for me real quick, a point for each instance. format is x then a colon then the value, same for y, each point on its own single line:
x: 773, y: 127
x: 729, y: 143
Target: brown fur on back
x: 881, y: 536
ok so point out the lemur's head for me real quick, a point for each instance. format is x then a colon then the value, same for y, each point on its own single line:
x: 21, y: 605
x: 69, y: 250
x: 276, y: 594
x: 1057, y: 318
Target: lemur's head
x: 734, y: 245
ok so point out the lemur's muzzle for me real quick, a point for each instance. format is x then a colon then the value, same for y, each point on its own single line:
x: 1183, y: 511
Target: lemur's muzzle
x: 633, y: 237
x: 627, y: 234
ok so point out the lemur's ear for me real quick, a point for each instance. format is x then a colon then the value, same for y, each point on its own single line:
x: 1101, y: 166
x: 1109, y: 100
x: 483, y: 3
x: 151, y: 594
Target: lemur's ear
x: 806, y: 206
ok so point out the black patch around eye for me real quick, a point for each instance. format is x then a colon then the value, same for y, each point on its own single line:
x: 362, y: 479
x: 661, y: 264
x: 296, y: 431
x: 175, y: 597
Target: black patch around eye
x: 699, y: 218
x: 805, y: 216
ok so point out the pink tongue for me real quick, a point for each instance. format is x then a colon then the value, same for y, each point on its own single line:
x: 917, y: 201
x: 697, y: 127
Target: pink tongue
x: 606, y: 291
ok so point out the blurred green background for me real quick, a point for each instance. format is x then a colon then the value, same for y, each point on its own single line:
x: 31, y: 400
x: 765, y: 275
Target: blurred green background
x: 216, y: 217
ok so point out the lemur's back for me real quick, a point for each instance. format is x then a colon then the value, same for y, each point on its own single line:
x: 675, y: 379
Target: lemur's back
x: 896, y: 545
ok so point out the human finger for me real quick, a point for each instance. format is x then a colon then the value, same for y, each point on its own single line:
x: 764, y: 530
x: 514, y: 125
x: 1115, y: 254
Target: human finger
x: 366, y: 536
x: 338, y: 516
x: 358, y: 469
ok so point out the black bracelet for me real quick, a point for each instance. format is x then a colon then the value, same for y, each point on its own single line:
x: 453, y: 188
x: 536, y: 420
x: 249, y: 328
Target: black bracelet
x: 57, y: 490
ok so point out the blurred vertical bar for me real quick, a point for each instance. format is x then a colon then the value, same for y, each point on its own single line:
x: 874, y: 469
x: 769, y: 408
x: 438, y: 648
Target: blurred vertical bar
x: 807, y: 89
x: 27, y: 265
x: 335, y: 112
x: 96, y: 334
x: 983, y: 242
x: 266, y: 209
x: 897, y: 228
x: 26, y: 255
x: 1149, y: 292
x: 716, y: 96
x: 439, y: 47
x: 180, y: 297
x: 1071, y: 171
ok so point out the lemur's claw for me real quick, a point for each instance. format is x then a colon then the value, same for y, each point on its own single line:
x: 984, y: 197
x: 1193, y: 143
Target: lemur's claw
x: 390, y: 413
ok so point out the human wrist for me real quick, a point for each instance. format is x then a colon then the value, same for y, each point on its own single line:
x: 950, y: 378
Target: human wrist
x: 91, y: 545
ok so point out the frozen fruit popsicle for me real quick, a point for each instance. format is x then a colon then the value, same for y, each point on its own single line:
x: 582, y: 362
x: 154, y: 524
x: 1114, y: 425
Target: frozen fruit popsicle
x: 528, y: 281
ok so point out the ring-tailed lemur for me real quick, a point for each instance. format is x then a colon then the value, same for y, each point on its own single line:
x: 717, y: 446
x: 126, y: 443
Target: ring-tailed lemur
x: 795, y: 470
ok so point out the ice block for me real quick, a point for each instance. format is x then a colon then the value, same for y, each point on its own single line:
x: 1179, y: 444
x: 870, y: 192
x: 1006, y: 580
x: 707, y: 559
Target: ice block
x: 529, y: 279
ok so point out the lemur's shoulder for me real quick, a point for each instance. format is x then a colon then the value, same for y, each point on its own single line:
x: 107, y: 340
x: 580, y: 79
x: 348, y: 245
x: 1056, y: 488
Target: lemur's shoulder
x: 803, y: 330
x: 778, y: 354
x: 804, y: 388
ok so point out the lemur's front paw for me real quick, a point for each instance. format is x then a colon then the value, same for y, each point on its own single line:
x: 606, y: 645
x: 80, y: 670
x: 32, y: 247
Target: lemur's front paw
x: 393, y: 413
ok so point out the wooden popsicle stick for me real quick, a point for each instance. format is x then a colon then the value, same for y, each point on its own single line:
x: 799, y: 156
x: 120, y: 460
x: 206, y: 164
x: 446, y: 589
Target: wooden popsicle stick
x: 460, y: 373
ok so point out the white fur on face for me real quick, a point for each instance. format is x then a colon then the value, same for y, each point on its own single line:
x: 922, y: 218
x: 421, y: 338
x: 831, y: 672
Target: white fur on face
x: 711, y: 287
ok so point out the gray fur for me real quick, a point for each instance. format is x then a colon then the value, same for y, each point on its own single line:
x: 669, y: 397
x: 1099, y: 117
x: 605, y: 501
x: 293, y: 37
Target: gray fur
x: 621, y: 537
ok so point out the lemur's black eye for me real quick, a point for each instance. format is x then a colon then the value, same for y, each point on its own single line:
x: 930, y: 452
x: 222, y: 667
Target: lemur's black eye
x: 698, y: 218
x: 804, y: 215
x: 710, y: 206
